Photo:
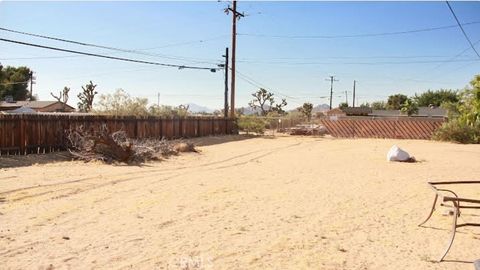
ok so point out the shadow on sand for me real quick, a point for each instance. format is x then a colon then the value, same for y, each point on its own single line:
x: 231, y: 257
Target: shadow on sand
x: 33, y: 159
x: 212, y: 140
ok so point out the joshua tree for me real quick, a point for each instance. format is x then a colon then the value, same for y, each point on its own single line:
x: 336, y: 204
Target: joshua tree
x: 86, y: 97
x: 306, y: 110
x: 264, y: 101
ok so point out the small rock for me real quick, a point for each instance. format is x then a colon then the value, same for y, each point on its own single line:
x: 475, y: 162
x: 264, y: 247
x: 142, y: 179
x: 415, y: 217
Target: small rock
x: 66, y: 238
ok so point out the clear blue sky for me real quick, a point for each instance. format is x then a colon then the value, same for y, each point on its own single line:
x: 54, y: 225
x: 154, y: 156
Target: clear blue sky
x: 284, y: 60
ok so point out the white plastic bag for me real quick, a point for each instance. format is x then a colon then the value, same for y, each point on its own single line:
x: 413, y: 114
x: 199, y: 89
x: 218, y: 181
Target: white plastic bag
x: 397, y: 154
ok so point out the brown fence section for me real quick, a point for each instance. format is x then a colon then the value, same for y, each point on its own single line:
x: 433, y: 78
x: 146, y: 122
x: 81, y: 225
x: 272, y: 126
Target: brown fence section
x: 43, y: 133
x: 395, y: 128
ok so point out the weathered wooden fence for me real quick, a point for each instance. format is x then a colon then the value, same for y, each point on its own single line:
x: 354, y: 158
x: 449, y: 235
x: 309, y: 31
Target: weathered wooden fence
x: 381, y: 127
x: 43, y: 133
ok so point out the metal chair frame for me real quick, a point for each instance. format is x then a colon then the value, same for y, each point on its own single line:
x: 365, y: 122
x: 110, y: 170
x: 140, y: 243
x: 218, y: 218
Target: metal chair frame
x: 456, y: 202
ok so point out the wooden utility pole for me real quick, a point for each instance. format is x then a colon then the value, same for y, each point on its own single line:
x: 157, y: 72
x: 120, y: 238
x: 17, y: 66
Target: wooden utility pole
x: 225, y: 106
x: 332, y: 79
x: 31, y: 84
x: 354, y: 82
x: 235, y: 16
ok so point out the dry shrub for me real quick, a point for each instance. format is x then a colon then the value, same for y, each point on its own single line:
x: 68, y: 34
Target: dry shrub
x: 116, y: 146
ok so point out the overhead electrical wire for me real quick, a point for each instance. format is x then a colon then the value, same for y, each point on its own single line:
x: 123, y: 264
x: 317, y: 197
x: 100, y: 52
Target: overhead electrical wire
x: 463, y: 30
x: 108, y: 57
x: 140, y: 51
x: 346, y: 57
x: 292, y: 99
x: 357, y: 35
x: 257, y: 84
x: 186, y: 43
x: 457, y: 55
x: 359, y: 63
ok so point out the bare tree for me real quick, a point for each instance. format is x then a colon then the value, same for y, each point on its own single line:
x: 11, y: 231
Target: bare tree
x: 62, y: 97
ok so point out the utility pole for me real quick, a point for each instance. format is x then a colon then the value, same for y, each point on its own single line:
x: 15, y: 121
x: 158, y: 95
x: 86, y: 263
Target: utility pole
x: 332, y: 79
x: 225, y: 106
x: 354, y: 83
x: 346, y: 98
x: 158, y: 99
x: 31, y: 84
x: 235, y: 16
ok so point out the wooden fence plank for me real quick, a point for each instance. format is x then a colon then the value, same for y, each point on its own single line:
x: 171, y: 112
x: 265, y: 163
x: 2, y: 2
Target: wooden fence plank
x: 43, y: 133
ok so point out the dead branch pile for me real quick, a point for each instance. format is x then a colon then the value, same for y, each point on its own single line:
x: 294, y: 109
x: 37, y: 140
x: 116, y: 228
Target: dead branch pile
x: 108, y: 147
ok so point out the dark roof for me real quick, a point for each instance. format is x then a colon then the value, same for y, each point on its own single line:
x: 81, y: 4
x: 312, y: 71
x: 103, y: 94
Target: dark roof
x: 386, y: 113
x: 29, y: 104
x: 357, y: 110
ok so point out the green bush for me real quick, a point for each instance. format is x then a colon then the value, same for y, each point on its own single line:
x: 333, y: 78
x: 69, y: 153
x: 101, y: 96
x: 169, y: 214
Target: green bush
x: 465, y: 114
x: 251, y: 124
x: 459, y: 132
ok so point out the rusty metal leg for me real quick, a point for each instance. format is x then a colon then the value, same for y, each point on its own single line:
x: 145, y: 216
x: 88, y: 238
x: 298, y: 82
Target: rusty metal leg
x: 454, y: 229
x: 431, y: 211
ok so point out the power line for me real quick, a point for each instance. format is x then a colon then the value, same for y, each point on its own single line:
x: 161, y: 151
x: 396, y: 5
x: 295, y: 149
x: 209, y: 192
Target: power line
x: 293, y: 99
x: 177, y: 58
x: 456, y: 56
x: 358, y: 35
x: 362, y: 63
x: 108, y: 57
x: 115, y: 48
x: 346, y: 57
x: 186, y: 43
x: 463, y: 30
x: 257, y: 84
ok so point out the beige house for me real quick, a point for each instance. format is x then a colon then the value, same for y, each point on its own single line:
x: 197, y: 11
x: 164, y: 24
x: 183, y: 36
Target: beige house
x: 38, y: 106
x: 335, y: 112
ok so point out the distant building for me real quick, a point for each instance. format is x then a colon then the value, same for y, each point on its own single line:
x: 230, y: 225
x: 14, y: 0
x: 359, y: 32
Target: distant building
x: 432, y: 112
x: 37, y: 106
x: 357, y: 111
x: 422, y: 112
x: 335, y: 112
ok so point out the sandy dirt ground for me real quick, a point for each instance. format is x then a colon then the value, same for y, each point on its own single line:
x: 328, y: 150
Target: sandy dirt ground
x: 256, y: 203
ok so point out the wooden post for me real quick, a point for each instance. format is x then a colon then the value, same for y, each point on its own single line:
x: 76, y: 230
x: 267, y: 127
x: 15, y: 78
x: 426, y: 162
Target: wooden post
x: 22, y: 135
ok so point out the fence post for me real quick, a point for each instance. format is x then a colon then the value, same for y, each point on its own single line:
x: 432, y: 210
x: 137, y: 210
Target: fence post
x: 22, y: 135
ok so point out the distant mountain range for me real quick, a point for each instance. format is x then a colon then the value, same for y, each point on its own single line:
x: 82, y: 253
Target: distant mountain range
x: 321, y: 108
x: 195, y: 108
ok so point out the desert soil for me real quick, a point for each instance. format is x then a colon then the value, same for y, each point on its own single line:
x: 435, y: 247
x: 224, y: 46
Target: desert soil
x: 242, y: 203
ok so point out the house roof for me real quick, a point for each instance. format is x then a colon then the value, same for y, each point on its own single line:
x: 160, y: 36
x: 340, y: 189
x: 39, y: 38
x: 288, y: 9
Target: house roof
x: 29, y: 104
x: 22, y: 110
x: 422, y: 111
x: 357, y: 110
x: 335, y: 111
